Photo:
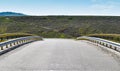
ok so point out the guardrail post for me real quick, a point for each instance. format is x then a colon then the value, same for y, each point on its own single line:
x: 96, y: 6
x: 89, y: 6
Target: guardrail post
x: 106, y: 45
x: 24, y: 41
x: 115, y: 48
x: 1, y: 47
x: 17, y: 42
x: 14, y: 43
x: 6, y: 45
x: 100, y: 42
x: 110, y: 46
x: 103, y: 44
x: 10, y: 44
x: 21, y: 41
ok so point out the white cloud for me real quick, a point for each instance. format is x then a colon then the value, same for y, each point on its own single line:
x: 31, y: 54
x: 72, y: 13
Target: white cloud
x: 105, y: 6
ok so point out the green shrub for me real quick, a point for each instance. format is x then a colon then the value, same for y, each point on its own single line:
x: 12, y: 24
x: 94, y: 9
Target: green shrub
x: 7, y: 36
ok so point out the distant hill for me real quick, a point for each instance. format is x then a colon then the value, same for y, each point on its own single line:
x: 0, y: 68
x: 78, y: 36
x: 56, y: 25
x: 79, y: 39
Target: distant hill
x: 11, y: 14
x: 61, y: 26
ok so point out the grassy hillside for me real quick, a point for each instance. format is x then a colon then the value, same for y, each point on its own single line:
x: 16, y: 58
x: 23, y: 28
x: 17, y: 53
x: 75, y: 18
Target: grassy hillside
x: 60, y: 26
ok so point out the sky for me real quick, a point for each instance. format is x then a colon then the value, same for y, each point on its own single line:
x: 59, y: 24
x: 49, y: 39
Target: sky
x: 62, y: 7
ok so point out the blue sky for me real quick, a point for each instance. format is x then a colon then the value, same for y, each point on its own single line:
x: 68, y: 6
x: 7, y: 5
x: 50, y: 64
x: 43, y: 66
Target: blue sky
x: 62, y: 7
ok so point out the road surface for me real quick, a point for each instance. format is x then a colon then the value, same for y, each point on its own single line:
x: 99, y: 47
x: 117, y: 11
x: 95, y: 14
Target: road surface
x: 59, y: 54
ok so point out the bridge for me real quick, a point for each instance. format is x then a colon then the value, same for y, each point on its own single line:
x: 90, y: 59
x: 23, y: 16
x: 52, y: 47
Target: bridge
x: 31, y: 54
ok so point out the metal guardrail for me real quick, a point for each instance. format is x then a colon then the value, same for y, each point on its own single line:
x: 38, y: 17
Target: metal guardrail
x: 18, y: 41
x: 113, y: 45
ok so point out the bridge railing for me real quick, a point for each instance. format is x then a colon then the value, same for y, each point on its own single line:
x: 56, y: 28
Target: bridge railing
x: 18, y: 41
x: 98, y: 41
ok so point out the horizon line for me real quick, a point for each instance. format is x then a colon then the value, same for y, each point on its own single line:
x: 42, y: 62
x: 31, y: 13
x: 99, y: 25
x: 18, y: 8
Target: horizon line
x: 61, y: 14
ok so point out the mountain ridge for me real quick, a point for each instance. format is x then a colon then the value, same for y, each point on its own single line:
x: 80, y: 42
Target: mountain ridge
x: 11, y: 14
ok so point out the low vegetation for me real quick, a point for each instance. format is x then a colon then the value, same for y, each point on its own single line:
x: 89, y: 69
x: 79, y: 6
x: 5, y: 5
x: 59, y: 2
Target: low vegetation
x: 7, y: 36
x: 60, y: 26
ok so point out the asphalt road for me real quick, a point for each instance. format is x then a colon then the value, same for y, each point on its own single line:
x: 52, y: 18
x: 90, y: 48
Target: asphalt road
x: 59, y: 54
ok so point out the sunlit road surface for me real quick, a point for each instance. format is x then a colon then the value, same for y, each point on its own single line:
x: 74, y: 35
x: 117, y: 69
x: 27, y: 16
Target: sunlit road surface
x: 59, y: 54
